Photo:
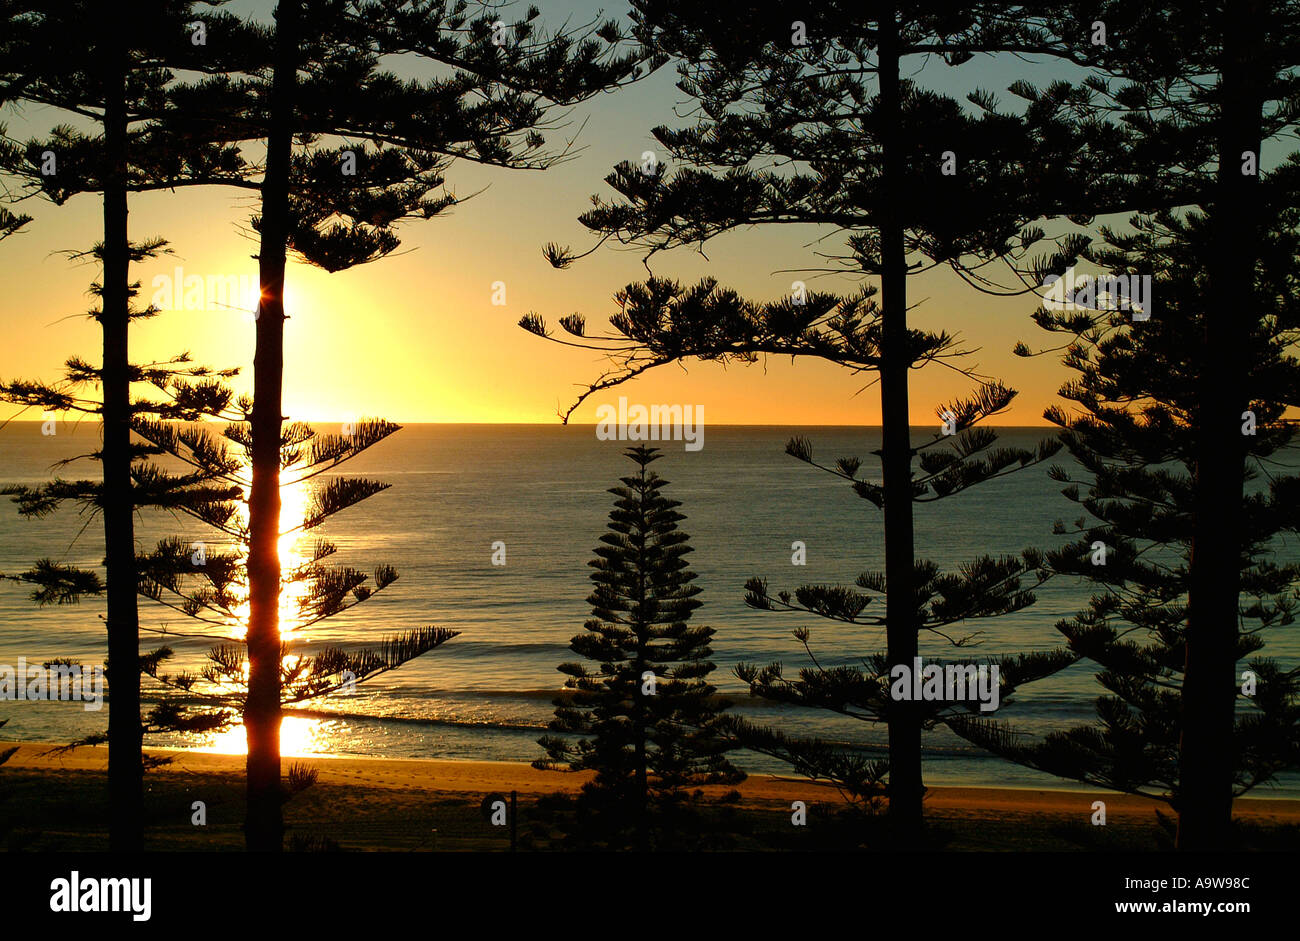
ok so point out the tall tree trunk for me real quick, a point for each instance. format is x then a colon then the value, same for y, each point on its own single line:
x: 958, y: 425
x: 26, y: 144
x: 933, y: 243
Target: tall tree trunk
x: 905, y: 784
x: 1209, y: 686
x: 264, y: 827
x: 638, y: 670
x: 642, y: 775
x: 125, y: 733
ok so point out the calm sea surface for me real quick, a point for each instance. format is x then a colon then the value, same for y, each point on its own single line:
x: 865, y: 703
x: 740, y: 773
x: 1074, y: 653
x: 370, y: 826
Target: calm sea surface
x: 457, y: 489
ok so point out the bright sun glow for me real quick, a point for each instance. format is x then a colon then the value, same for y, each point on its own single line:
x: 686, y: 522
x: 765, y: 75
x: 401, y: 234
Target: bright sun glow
x: 299, y: 737
x: 292, y: 547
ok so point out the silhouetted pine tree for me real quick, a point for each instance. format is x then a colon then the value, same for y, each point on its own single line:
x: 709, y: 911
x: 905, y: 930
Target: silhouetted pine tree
x: 214, y: 589
x: 493, y: 86
x: 208, y: 581
x: 186, y: 393
x: 85, y: 60
x: 1191, y: 101
x: 646, y: 717
x: 1134, y: 437
x: 814, y: 122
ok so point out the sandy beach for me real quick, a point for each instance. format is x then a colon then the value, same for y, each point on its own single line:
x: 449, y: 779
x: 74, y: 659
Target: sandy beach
x: 484, y: 777
x: 380, y: 803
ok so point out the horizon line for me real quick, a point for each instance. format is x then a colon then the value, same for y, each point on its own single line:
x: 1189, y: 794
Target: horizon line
x: 557, y: 424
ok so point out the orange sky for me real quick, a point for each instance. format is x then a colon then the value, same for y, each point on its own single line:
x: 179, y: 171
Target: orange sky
x: 415, y: 337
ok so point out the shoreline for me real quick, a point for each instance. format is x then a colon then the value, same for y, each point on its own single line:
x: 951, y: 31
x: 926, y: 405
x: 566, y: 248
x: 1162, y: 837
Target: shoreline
x: 478, y: 778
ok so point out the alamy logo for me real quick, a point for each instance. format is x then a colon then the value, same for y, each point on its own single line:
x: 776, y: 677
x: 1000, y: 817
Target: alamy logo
x: 953, y: 682
x: 75, y: 894
x: 55, y: 680
x: 1129, y: 292
x: 213, y: 292
x: 653, y: 423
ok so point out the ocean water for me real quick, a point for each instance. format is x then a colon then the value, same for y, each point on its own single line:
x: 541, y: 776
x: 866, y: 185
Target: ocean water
x: 542, y: 490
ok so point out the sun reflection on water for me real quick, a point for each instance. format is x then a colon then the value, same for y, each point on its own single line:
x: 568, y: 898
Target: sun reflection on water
x: 299, y: 737
x: 293, y: 548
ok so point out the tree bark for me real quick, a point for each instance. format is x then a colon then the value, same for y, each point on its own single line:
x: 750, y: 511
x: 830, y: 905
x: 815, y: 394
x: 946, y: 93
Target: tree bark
x: 642, y: 630
x: 642, y: 776
x: 1206, y: 762
x: 905, y: 781
x: 125, y: 733
x: 264, y: 826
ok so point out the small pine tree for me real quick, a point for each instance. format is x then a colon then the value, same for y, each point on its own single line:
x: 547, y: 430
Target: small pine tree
x: 836, y: 132
x: 647, y: 719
